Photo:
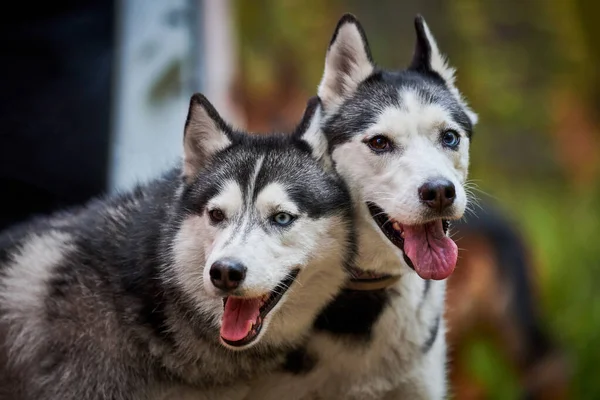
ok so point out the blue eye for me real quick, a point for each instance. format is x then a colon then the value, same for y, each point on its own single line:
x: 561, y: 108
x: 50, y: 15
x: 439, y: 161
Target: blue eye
x: 283, y: 219
x: 450, y: 139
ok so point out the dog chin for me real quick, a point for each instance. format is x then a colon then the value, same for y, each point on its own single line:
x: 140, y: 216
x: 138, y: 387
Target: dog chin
x: 246, y: 318
x: 425, y: 217
x: 255, y: 342
x: 260, y: 336
x: 425, y: 246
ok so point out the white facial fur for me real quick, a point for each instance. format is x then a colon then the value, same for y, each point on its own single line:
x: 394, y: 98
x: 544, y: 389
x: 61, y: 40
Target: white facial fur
x: 318, y: 247
x: 391, y: 180
x: 270, y: 254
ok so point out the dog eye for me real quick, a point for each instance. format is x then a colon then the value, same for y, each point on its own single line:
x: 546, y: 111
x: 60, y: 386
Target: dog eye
x: 283, y: 219
x: 450, y: 139
x: 379, y: 144
x: 216, y: 215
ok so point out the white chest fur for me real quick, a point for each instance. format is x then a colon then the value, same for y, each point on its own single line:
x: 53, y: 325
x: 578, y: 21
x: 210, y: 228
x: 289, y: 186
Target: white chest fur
x: 397, y: 361
x: 403, y: 357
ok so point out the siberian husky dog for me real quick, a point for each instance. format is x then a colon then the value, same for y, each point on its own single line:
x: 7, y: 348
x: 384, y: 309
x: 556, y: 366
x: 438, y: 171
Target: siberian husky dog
x: 185, y: 286
x: 400, y: 140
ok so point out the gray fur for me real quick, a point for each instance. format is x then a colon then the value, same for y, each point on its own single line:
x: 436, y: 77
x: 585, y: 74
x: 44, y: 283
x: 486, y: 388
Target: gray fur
x: 93, y: 303
x: 387, y: 343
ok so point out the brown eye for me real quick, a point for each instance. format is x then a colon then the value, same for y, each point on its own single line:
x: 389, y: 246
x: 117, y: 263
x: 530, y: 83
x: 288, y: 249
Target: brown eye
x: 216, y: 215
x: 380, y: 144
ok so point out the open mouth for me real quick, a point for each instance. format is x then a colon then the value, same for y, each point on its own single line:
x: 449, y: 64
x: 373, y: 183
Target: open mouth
x: 425, y: 247
x: 243, y: 317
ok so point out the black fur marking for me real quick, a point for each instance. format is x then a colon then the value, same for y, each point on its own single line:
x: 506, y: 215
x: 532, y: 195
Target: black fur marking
x: 351, y: 19
x: 328, y: 194
x: 299, y: 362
x: 353, y: 313
x: 381, y: 90
x: 422, y: 54
x: 153, y: 313
x: 356, y: 114
x: 293, y: 166
x: 426, y: 288
x: 421, y: 63
x: 433, y: 332
x: 311, y: 107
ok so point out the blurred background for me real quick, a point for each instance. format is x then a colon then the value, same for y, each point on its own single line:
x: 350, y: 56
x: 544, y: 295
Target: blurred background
x: 94, y: 93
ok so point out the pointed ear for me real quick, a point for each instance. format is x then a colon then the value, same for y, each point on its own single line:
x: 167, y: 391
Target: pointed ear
x: 428, y: 58
x: 309, y: 131
x: 347, y: 63
x: 205, y: 134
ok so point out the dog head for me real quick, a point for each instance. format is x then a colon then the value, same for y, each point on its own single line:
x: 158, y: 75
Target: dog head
x: 401, y: 141
x: 266, y: 229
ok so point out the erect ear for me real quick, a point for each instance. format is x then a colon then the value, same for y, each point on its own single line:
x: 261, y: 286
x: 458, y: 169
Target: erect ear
x: 428, y: 58
x: 347, y: 63
x: 309, y: 131
x: 205, y: 134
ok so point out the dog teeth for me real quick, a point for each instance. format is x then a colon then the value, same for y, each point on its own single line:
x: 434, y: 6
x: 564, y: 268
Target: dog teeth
x: 254, y: 325
x: 398, y: 228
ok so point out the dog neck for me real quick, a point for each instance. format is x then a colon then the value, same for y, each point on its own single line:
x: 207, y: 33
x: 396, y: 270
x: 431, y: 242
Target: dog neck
x: 368, y: 285
x: 378, y: 265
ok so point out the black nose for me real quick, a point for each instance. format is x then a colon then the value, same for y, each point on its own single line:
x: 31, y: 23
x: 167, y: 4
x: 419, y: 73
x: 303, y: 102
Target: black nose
x: 227, y: 274
x: 438, y: 194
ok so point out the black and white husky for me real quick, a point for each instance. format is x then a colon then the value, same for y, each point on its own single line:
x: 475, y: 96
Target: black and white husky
x: 185, y: 286
x: 400, y: 140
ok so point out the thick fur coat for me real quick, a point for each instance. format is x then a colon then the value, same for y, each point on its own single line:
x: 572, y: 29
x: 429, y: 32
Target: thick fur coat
x: 114, y: 300
x: 400, y: 140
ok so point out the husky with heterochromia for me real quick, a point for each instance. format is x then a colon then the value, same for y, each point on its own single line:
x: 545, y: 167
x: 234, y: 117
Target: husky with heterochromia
x: 400, y: 140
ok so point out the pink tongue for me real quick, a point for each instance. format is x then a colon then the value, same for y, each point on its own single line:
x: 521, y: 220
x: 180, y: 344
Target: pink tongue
x: 238, y: 317
x: 432, y: 253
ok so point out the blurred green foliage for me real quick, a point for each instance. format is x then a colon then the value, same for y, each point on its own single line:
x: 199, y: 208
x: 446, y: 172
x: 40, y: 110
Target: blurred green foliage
x: 530, y: 70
